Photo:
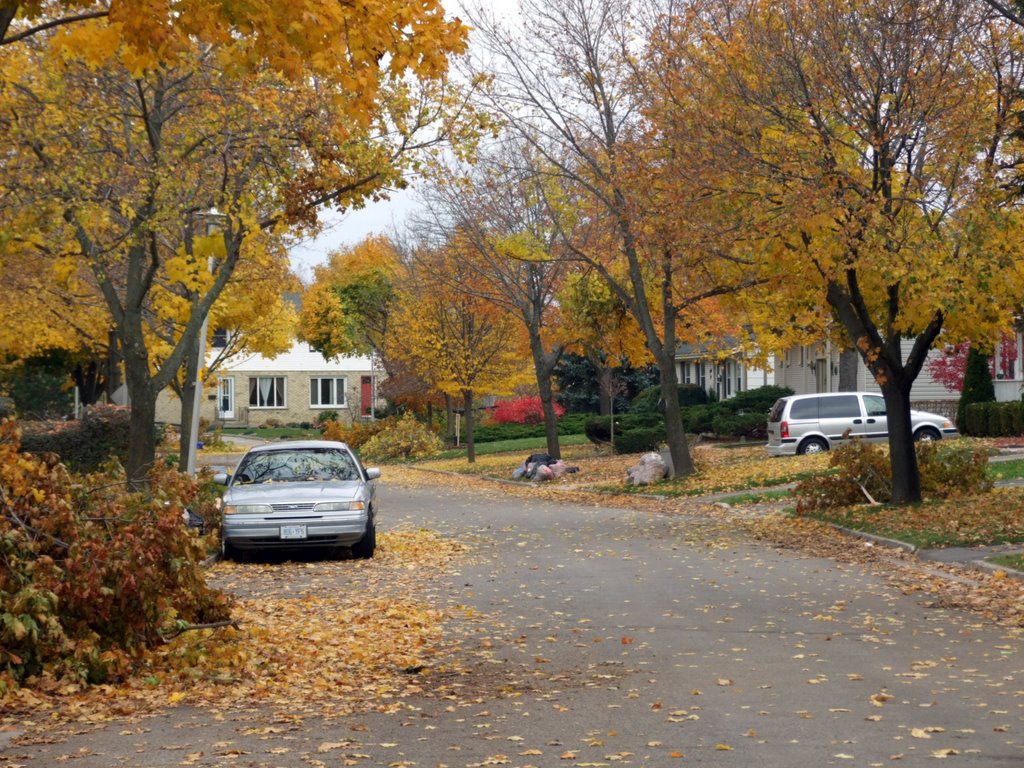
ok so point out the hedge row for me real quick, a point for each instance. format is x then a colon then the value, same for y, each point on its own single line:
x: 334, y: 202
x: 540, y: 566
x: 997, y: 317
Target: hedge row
x: 86, y: 444
x: 642, y: 427
x: 570, y: 424
x: 994, y: 419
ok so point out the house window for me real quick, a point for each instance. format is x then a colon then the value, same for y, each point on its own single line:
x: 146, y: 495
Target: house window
x: 327, y: 392
x: 220, y: 339
x: 686, y: 372
x: 267, y: 392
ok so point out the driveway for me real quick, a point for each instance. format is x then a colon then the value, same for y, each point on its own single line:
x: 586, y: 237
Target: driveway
x: 598, y: 636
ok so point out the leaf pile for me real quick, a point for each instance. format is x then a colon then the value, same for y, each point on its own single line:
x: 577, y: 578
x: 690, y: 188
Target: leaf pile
x: 321, y: 638
x: 989, y: 518
x: 719, y: 469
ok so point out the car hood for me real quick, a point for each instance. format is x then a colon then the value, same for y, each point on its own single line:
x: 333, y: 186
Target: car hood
x: 293, y: 492
x: 915, y: 414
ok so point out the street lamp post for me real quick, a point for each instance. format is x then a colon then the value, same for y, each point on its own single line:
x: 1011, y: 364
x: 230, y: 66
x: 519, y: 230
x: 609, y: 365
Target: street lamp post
x: 212, y: 220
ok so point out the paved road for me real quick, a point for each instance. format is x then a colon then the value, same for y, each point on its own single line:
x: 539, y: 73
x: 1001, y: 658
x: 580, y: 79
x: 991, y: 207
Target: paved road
x: 626, y: 638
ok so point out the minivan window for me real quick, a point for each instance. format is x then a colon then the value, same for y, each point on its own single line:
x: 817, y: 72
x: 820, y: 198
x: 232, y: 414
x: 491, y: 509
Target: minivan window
x: 842, y: 407
x: 775, y: 414
x: 875, y: 405
x: 805, y: 409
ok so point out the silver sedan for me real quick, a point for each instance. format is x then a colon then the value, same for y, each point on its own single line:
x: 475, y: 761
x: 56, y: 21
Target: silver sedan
x: 311, y: 493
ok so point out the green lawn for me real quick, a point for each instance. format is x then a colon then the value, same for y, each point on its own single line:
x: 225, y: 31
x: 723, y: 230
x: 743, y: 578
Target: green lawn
x: 1015, y: 562
x: 521, y: 445
x: 274, y: 433
x: 1006, y: 470
x: 990, y: 518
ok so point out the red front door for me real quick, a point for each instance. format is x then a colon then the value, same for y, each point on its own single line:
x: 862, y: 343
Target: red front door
x: 366, y: 396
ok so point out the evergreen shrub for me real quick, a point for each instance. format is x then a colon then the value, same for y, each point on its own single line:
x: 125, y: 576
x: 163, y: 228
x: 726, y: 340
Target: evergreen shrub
x: 977, y: 388
x: 689, y: 394
x: 87, y: 444
x: 639, y: 440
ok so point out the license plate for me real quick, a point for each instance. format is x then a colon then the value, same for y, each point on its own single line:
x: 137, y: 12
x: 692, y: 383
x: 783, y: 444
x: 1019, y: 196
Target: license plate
x: 293, y: 531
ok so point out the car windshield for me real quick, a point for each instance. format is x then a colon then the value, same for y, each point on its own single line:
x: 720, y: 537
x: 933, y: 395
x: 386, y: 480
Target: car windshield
x: 300, y: 465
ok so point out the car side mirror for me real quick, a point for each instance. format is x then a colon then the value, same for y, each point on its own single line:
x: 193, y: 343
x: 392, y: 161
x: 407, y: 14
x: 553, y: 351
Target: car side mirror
x: 372, y: 473
x: 221, y: 478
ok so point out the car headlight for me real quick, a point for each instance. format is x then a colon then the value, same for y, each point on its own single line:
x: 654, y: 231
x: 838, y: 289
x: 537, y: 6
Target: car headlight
x: 247, y: 509
x: 339, y: 506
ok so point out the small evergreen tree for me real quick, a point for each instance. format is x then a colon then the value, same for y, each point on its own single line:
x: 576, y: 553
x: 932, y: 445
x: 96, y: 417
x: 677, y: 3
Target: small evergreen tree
x: 978, y: 387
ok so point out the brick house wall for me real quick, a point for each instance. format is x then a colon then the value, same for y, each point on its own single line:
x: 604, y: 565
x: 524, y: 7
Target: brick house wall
x: 293, y: 388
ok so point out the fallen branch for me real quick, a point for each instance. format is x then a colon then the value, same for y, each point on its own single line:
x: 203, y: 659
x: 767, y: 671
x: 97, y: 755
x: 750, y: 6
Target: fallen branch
x: 190, y: 627
x: 871, y: 499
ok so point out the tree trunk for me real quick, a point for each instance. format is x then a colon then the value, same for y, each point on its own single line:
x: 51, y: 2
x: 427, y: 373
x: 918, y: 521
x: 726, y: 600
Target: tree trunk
x: 113, y: 365
x: 467, y: 402
x: 906, y: 477
x: 604, y: 389
x: 449, y: 432
x: 142, y: 426
x: 675, y: 432
x: 543, y: 365
x: 848, y: 360
x: 89, y: 382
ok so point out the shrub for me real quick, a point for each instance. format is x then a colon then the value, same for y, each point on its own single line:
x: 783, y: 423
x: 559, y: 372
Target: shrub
x: 404, y: 438
x: 947, y: 469
x: 978, y: 387
x: 689, y: 394
x: 92, y: 575
x: 598, y: 429
x: 952, y: 468
x: 758, y: 400
x: 994, y: 419
x: 700, y: 418
x: 88, y: 443
x: 751, y: 426
x: 639, y: 440
x: 355, y: 434
x: 325, y: 417
x: 522, y: 410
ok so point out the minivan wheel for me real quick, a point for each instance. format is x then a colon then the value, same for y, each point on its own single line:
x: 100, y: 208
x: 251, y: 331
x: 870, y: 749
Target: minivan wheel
x: 812, y: 445
x: 927, y: 434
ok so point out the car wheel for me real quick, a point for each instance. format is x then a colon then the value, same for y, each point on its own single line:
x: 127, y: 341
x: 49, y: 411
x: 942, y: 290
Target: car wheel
x: 812, y: 445
x: 228, y: 552
x: 927, y: 434
x: 364, y: 548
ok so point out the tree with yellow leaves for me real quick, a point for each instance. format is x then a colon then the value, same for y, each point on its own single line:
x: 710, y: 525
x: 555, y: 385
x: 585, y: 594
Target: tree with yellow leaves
x: 495, y: 213
x: 462, y: 344
x: 346, y: 309
x: 863, y: 151
x: 114, y: 162
x: 566, y: 83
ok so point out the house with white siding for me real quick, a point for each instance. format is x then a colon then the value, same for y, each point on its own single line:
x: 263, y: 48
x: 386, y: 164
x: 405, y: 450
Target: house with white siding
x: 815, y: 368
x: 723, y: 375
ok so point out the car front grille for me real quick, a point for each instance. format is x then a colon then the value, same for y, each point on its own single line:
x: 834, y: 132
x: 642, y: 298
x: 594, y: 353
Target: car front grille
x: 292, y: 507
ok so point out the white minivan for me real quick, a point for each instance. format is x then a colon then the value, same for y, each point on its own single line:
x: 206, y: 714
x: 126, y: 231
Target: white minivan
x: 816, y: 423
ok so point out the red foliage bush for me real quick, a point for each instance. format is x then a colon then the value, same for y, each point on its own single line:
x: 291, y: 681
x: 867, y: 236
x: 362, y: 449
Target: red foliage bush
x: 522, y: 410
x: 92, y: 573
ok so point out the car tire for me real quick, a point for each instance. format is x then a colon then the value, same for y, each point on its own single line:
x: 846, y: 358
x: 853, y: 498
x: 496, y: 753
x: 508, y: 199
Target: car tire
x: 812, y: 445
x: 228, y: 552
x: 365, y: 547
x: 926, y: 434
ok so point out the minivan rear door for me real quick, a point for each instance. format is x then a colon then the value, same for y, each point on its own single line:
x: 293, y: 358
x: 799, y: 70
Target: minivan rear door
x: 874, y: 426
x: 838, y: 414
